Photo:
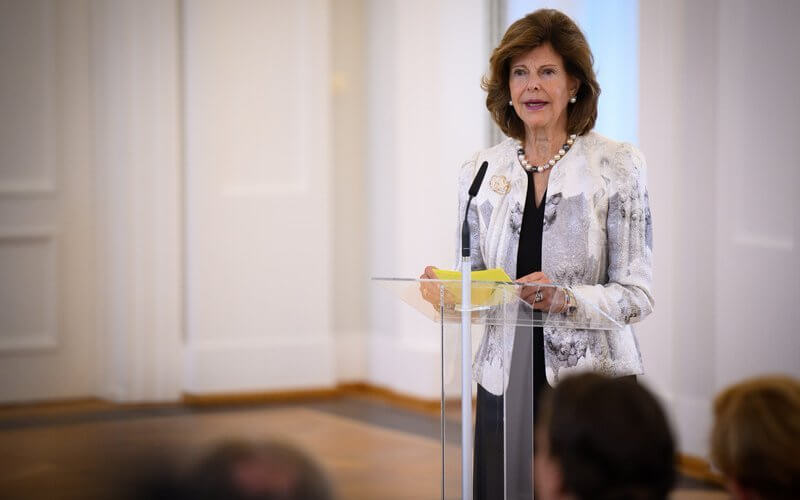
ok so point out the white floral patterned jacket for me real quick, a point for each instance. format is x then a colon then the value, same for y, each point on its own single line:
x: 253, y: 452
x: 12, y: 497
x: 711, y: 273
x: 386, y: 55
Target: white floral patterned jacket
x: 597, y: 240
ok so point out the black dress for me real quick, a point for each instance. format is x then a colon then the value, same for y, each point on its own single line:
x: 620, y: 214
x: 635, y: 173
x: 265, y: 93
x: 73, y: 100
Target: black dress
x: 525, y: 381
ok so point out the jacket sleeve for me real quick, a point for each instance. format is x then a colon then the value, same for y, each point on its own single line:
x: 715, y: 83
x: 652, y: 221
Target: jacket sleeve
x: 465, y: 177
x: 627, y: 295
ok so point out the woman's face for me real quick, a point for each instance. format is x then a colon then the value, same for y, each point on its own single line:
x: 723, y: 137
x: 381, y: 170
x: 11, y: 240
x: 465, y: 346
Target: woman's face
x: 540, y: 89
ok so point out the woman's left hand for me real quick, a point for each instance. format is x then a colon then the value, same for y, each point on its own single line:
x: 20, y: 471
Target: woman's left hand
x: 546, y: 298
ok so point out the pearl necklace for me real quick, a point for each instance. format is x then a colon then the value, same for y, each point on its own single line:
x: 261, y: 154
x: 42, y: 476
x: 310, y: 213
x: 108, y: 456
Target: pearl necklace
x: 523, y: 160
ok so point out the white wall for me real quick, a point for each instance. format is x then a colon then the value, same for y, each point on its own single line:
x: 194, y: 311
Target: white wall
x: 758, y: 236
x: 256, y: 113
x: 136, y: 145
x: 717, y: 132
x: 425, y: 118
x: 350, y: 273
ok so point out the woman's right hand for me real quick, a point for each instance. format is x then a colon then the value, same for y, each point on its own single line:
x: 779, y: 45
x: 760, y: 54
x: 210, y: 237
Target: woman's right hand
x: 429, y: 291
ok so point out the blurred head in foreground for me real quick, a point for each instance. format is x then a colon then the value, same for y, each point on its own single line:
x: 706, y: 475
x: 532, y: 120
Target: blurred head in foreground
x: 755, y: 440
x: 602, y: 438
x: 239, y: 470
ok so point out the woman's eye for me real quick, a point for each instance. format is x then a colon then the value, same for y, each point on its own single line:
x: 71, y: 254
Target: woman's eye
x: 549, y: 71
x: 518, y: 72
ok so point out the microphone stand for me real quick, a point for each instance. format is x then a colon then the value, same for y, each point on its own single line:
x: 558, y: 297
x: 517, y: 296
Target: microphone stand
x: 466, y: 344
x: 466, y: 378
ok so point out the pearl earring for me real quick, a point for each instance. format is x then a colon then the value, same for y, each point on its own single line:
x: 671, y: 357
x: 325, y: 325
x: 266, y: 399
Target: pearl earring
x: 510, y: 103
x: 573, y: 100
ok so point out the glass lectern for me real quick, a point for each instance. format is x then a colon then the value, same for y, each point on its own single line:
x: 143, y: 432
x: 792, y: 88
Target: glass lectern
x: 501, y: 326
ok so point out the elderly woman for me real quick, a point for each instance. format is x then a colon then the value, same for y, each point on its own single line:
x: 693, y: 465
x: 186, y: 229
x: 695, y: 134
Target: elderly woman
x: 559, y: 204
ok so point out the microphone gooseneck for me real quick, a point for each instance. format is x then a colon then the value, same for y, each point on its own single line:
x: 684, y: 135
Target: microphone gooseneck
x: 473, y: 191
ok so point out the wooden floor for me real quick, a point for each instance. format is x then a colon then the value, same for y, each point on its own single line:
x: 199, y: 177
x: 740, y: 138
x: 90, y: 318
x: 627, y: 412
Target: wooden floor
x: 370, y: 450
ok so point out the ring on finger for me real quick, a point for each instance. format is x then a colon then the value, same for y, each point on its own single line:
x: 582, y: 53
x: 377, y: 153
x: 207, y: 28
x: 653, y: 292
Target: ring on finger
x: 538, y: 297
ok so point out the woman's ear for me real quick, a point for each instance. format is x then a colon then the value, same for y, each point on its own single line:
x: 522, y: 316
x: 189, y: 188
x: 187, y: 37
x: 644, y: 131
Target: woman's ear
x: 574, y: 86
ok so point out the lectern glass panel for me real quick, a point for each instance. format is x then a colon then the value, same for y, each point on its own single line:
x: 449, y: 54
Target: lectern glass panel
x: 500, y: 330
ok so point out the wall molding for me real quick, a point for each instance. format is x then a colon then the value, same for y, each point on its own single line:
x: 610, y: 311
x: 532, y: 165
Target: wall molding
x: 40, y: 129
x: 47, y: 339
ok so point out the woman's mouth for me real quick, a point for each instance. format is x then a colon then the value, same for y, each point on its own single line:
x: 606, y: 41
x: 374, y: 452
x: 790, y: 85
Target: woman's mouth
x: 535, y: 104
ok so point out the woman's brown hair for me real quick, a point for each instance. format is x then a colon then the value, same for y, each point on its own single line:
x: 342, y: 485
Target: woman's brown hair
x: 755, y: 439
x: 536, y: 29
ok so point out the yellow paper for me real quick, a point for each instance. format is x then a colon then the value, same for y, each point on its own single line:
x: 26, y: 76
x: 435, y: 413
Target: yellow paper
x: 481, y: 294
x: 496, y: 274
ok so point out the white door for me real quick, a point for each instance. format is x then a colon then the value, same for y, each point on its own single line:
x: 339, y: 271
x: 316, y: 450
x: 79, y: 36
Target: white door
x: 46, y: 196
x: 256, y: 83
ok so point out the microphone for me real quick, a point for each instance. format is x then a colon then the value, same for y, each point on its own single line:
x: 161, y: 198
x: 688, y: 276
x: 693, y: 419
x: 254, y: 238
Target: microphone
x: 476, y: 184
x: 473, y: 191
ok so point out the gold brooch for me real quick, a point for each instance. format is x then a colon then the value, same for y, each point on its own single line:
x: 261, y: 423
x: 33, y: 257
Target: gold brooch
x: 500, y: 184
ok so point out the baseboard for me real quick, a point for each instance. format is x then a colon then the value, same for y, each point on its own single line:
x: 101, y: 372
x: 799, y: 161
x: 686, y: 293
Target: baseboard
x: 260, y: 397
x: 353, y: 389
x: 391, y: 397
x: 698, y: 468
x: 46, y: 407
x: 75, y: 407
